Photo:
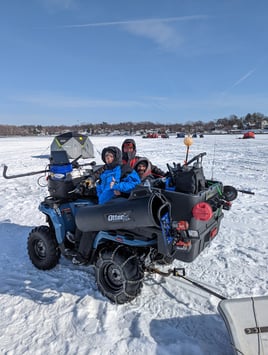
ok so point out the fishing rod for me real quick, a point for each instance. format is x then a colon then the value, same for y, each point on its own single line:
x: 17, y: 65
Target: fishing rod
x: 238, y: 190
x: 229, y: 191
x: 213, y: 160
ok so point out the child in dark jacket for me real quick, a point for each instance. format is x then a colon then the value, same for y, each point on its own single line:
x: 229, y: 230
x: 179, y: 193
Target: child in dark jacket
x: 130, y: 158
x: 144, y: 169
x: 115, y: 180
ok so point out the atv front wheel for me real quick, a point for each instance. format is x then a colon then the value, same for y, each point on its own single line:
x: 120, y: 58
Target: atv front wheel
x: 43, y: 248
x: 119, y: 274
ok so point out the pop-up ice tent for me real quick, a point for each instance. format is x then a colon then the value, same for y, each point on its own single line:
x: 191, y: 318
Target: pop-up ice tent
x: 75, y: 144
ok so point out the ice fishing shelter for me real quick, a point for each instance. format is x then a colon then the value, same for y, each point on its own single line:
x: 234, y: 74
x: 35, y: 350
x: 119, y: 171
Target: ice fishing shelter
x: 249, y: 134
x: 75, y: 144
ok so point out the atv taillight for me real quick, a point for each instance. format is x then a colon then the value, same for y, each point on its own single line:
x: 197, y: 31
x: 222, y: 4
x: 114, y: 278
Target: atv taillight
x: 182, y: 226
x: 213, y: 232
x: 202, y: 211
x: 183, y: 245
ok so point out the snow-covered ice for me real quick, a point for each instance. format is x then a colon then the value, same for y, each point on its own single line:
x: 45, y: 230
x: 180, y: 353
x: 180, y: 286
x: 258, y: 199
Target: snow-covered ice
x: 61, y: 311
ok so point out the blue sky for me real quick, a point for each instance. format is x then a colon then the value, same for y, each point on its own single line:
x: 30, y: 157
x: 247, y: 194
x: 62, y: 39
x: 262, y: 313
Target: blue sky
x: 174, y: 61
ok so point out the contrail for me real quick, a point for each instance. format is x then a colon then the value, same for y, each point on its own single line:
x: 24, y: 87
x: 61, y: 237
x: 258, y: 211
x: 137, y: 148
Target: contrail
x: 244, y: 77
x: 116, y: 23
x: 239, y: 81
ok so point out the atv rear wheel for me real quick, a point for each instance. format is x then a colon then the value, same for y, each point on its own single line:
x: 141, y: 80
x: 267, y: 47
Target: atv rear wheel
x: 119, y: 274
x: 43, y: 248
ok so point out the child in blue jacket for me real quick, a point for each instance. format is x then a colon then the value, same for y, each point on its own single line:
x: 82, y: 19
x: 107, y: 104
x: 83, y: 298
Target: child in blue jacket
x: 115, y: 180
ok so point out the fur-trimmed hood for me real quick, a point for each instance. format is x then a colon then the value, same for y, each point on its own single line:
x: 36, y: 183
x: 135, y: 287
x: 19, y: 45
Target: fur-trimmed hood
x: 148, y: 164
x: 116, y: 153
x: 127, y: 156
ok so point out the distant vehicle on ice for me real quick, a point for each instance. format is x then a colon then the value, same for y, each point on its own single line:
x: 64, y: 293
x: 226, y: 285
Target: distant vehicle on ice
x: 151, y: 135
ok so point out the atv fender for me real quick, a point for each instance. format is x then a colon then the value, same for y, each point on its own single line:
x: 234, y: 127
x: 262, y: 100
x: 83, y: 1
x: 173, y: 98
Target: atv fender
x: 103, y: 236
x: 55, y: 217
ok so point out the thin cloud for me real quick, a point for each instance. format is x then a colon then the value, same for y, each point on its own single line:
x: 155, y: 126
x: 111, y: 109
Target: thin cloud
x: 161, y: 102
x: 52, y: 5
x: 159, y: 106
x: 154, y: 29
x: 160, y: 33
x: 72, y: 102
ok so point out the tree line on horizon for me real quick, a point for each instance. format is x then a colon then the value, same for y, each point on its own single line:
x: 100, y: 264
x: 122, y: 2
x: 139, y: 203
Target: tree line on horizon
x: 231, y: 123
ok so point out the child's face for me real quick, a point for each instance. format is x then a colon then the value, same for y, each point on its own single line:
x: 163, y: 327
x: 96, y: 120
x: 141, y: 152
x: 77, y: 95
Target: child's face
x: 109, y: 158
x: 141, y: 169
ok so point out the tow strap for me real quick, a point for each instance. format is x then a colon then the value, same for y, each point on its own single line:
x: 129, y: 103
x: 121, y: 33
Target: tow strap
x: 180, y: 272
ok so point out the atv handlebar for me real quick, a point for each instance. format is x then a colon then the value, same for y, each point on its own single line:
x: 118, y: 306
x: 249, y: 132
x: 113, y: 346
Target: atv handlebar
x: 75, y: 163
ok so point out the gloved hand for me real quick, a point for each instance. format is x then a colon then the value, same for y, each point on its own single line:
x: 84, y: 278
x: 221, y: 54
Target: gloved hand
x: 89, y: 182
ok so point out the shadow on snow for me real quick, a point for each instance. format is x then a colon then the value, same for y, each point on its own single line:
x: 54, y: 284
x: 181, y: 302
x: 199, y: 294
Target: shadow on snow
x: 19, y: 277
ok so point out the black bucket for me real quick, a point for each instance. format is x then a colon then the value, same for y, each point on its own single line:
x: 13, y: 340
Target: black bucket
x: 142, y: 209
x: 60, y: 188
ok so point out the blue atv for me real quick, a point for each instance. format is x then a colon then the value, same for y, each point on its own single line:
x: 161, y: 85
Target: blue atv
x: 175, y: 217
